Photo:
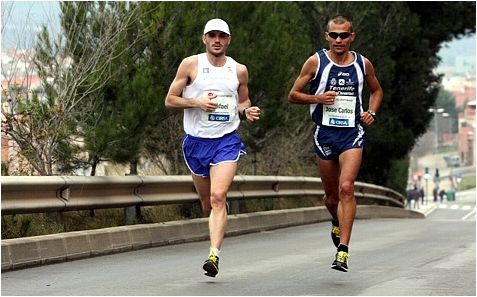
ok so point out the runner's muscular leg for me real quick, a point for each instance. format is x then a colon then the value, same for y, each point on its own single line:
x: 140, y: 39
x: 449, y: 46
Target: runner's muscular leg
x: 221, y: 177
x: 202, y: 186
x: 329, y: 173
x: 350, y: 162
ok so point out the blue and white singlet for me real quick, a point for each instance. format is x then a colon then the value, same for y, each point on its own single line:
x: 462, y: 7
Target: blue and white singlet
x: 338, y: 126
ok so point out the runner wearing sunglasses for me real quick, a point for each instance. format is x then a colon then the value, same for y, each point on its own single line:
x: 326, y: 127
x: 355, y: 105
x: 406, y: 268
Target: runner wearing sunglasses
x: 336, y: 77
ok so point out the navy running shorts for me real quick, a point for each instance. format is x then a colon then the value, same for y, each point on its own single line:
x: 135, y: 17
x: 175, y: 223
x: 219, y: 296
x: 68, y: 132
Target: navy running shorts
x: 201, y: 153
x: 330, y: 142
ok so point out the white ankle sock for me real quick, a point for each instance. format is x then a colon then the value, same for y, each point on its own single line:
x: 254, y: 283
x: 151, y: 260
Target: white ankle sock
x: 216, y: 251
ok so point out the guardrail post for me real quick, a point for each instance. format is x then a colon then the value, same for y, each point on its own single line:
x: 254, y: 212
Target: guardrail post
x: 234, y: 206
x: 132, y: 214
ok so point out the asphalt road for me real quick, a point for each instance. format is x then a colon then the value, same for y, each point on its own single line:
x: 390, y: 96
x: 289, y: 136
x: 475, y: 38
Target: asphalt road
x: 407, y: 257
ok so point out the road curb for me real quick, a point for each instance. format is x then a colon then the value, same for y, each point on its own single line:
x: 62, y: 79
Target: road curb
x: 429, y: 210
x: 46, y: 249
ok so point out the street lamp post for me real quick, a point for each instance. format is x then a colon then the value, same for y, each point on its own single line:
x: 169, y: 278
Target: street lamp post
x: 426, y: 178
x: 436, y: 111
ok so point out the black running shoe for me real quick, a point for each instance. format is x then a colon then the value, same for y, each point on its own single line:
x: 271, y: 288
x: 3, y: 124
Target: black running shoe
x: 211, y: 265
x: 341, y: 262
x: 335, y: 232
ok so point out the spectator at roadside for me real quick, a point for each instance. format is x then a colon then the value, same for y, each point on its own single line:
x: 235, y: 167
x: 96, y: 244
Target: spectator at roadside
x: 442, y: 193
x: 412, y: 195
x: 421, y: 192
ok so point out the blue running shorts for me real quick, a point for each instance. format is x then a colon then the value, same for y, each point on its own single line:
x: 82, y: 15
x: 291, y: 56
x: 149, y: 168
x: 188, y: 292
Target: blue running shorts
x: 330, y: 142
x: 201, y: 153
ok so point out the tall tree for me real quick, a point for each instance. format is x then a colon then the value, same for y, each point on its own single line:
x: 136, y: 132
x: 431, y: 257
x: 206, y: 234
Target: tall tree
x: 122, y: 57
x: 272, y: 44
x: 263, y: 43
x: 174, y: 33
x: 118, y: 110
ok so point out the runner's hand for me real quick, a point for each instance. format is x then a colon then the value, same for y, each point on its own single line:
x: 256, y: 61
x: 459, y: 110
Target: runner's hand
x: 208, y: 103
x: 252, y: 114
x: 367, y: 118
x: 328, y: 97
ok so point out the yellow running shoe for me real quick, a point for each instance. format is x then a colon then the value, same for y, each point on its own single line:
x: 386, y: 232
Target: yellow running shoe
x: 341, y: 261
x: 211, y: 265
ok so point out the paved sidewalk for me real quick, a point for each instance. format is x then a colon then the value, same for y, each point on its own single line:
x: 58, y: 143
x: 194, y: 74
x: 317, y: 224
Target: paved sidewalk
x: 465, y: 196
x: 427, y: 208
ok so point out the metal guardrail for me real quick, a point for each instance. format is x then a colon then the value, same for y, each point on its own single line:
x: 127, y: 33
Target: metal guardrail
x: 35, y: 194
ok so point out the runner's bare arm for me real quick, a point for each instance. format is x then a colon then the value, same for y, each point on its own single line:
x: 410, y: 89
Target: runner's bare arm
x: 297, y: 95
x: 376, y: 92
x: 245, y: 104
x: 185, y: 74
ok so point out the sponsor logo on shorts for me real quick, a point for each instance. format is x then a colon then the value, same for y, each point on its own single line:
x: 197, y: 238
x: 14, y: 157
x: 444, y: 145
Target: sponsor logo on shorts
x: 326, y: 150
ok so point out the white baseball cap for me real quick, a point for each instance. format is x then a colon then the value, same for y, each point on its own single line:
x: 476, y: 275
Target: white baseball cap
x: 216, y: 25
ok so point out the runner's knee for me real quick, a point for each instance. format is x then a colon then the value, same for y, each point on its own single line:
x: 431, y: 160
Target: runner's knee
x: 217, y: 198
x: 347, y: 190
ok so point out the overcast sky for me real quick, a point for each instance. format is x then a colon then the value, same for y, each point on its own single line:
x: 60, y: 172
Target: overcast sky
x: 22, y: 20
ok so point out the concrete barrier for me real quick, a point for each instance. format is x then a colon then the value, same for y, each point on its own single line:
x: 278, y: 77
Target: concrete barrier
x: 38, y: 250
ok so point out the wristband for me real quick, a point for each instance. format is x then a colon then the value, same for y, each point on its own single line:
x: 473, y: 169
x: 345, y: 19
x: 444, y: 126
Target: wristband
x: 243, y: 115
x: 373, y: 114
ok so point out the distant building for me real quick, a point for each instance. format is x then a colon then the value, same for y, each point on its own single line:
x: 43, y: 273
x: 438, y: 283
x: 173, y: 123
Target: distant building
x: 467, y: 134
x: 463, y: 96
x: 463, y: 88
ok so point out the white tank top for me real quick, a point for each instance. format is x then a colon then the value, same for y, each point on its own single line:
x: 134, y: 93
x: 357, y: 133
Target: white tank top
x: 222, y: 81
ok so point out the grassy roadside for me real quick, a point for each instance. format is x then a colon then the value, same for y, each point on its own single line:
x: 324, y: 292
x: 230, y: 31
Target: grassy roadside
x: 468, y: 182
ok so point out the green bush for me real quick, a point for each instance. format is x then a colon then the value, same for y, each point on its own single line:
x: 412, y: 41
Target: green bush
x: 468, y: 182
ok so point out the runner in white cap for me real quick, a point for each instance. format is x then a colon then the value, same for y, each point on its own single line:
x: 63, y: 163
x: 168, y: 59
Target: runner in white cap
x: 212, y: 89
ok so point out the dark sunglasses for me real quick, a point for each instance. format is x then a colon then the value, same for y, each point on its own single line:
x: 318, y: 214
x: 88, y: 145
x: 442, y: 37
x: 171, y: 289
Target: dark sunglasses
x: 342, y: 35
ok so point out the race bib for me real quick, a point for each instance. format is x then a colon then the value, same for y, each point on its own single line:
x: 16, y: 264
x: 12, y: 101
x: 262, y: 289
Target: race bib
x: 226, y: 107
x: 341, y: 113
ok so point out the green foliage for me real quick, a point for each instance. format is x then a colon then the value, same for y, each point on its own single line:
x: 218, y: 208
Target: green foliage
x: 468, y: 182
x: 124, y: 101
x: 397, y: 175
x: 411, y: 87
x: 39, y: 126
x: 118, y: 106
x: 5, y: 169
x: 273, y: 52
x: 29, y: 225
x: 401, y: 39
